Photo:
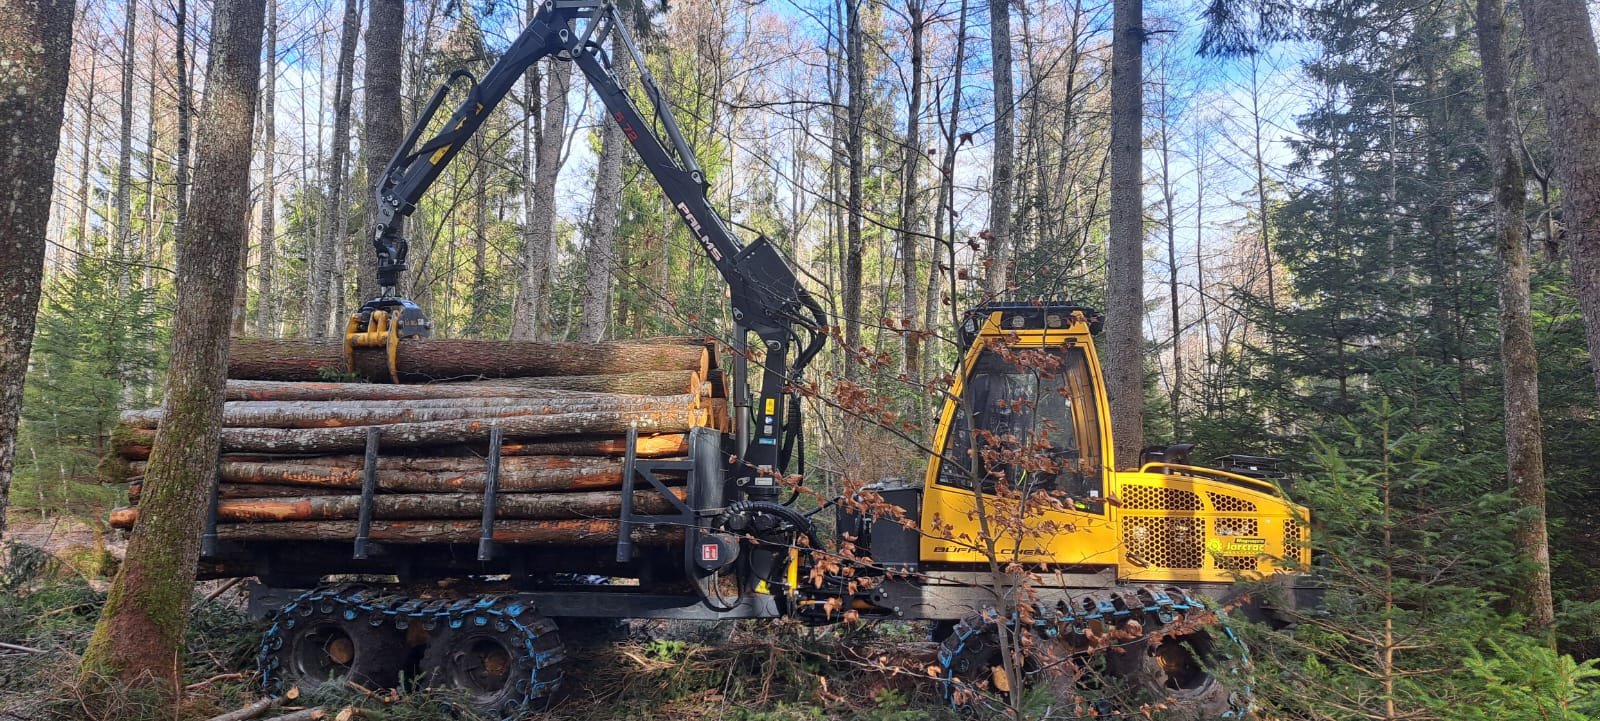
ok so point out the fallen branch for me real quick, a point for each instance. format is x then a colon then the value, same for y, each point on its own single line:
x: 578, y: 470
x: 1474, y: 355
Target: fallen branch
x: 23, y: 649
x: 235, y: 676
x: 315, y: 713
x: 251, y: 711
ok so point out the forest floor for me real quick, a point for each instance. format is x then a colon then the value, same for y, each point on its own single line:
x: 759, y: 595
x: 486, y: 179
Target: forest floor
x: 51, y: 594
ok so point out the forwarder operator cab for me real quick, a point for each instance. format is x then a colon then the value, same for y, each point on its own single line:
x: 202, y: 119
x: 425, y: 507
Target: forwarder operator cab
x: 1026, y: 415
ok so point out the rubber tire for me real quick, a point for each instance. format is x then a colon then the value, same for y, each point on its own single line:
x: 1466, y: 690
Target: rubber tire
x: 1203, y: 697
x: 377, y: 652
x: 440, y: 662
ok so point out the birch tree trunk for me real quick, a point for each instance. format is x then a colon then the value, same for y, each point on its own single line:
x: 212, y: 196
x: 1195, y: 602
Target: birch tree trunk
x: 146, y: 609
x: 1002, y: 166
x: 1518, y: 357
x: 1125, y: 266
x: 35, y: 45
x: 385, y: 129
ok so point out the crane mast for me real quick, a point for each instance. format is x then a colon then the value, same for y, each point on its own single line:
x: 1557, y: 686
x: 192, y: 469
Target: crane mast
x: 767, y: 299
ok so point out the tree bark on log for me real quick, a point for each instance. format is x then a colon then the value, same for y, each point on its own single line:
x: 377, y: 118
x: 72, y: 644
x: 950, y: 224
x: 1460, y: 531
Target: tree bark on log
x: 644, y: 383
x: 308, y: 359
x: 234, y: 490
x: 427, y: 506
x: 513, y: 479
x: 245, y: 390
x: 337, y: 415
x: 414, y: 435
x: 133, y: 444
x: 555, y: 533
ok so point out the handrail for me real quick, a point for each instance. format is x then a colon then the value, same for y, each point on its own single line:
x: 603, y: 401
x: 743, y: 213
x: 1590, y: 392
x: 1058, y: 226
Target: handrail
x: 1201, y: 471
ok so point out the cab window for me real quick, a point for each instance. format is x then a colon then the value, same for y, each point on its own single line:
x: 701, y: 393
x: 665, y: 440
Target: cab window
x: 1036, y: 426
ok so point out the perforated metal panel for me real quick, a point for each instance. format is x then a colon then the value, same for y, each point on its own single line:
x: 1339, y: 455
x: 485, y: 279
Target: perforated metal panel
x: 1159, y: 498
x: 1229, y: 504
x: 1236, y: 527
x: 1294, y: 539
x: 1165, y: 542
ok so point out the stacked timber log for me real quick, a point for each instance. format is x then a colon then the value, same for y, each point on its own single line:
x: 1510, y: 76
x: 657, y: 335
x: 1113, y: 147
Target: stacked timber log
x: 292, y: 461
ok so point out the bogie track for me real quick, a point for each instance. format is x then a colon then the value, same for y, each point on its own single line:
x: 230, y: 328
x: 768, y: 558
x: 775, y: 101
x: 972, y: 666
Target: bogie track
x: 496, y: 650
x: 1133, y: 646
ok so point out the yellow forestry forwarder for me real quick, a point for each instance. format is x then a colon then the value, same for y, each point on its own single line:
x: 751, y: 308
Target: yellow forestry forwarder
x: 1135, y: 556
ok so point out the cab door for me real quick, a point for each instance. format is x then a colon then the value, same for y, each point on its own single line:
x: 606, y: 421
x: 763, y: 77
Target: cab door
x: 1023, y: 421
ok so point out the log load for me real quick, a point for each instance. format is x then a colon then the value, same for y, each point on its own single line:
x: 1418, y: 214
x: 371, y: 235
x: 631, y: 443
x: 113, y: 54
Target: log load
x: 134, y: 445
x: 348, y: 439
x: 430, y: 475
x: 438, y: 359
x: 649, y: 383
x: 543, y: 506
x: 556, y: 533
x: 291, y: 467
x: 339, y: 414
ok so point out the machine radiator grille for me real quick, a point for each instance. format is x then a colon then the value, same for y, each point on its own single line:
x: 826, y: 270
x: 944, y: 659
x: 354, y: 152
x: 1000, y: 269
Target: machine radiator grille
x: 1236, y: 527
x: 1165, y: 542
x: 1229, y: 504
x: 1159, y: 498
x: 1294, y: 540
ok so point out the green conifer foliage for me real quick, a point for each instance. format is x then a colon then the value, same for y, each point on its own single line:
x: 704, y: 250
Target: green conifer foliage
x: 93, y: 356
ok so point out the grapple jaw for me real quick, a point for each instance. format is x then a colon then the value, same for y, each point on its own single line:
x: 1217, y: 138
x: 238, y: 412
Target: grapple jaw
x: 382, y: 323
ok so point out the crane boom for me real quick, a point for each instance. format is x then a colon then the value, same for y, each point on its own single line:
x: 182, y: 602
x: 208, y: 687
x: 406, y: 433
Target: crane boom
x: 767, y: 298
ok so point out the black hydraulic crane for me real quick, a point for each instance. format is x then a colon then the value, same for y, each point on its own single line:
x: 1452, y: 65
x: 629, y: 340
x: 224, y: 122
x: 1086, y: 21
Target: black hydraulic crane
x: 767, y: 298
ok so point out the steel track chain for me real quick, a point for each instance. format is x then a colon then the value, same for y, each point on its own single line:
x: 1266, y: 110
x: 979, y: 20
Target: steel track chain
x: 1074, y: 625
x: 536, y: 637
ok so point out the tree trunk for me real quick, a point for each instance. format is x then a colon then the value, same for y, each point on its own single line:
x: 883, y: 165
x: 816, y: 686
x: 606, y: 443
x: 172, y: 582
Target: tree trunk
x: 35, y: 45
x: 1520, y: 360
x: 944, y: 248
x: 185, y: 113
x: 124, y: 187
x: 442, y: 359
x: 81, y: 243
x: 339, y: 415
x: 328, y: 293
x: 1125, y: 266
x: 554, y: 533
x: 604, y: 216
x: 385, y: 128
x: 533, y: 296
x: 911, y: 287
x: 266, y: 302
x: 856, y: 73
x: 1170, y: 221
x: 1002, y: 164
x: 1568, y: 68
x: 588, y: 504
x: 143, y: 622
